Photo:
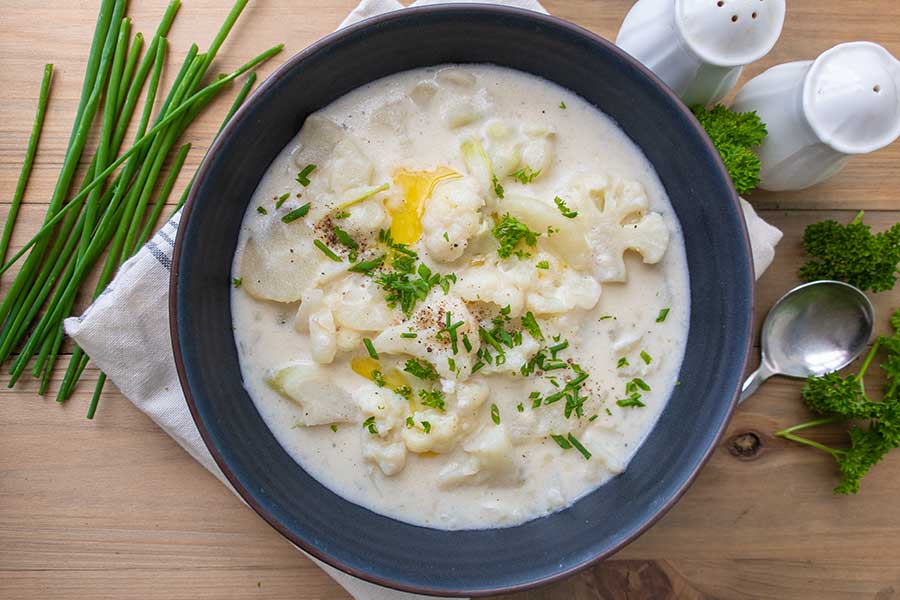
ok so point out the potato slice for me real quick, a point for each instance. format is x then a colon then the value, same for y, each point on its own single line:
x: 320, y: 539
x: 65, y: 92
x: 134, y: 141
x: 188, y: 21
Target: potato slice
x: 310, y: 387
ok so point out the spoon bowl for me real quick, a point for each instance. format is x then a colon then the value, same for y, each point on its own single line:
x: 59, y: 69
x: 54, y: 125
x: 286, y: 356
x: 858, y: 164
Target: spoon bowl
x: 814, y: 329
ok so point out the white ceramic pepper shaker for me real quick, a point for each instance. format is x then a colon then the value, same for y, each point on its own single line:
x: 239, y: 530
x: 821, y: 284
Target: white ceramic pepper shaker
x: 699, y: 47
x: 820, y: 113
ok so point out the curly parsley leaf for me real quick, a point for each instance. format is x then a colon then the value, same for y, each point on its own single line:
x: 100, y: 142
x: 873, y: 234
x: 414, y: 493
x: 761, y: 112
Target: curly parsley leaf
x: 734, y: 135
x: 510, y: 232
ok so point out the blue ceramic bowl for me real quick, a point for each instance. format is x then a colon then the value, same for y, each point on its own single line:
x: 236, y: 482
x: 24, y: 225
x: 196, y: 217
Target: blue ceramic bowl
x: 380, y: 549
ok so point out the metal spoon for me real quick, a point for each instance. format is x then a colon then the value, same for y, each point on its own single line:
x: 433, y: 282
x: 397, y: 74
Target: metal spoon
x: 814, y: 329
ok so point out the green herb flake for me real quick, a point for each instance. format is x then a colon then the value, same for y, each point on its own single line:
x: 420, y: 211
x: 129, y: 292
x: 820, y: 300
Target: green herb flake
x: 646, y: 357
x: 334, y: 427
x: 367, y: 266
x: 281, y: 199
x: 409, y: 335
x: 530, y: 324
x: 467, y: 344
x: 370, y: 348
x: 562, y: 105
x: 426, y: 426
x: 561, y: 205
x: 495, y: 414
x: 237, y: 282
x: 633, y: 401
x: 341, y: 214
x: 344, y: 238
x: 498, y: 189
x: 526, y: 175
x: 605, y: 317
x: 593, y: 418
x: 623, y: 362
x: 370, y: 425
x: 261, y: 210
x: 378, y: 378
x: 432, y: 399
x: 520, y: 407
x: 663, y: 313
x: 410, y: 423
x: 542, y: 265
x: 296, y: 214
x: 510, y: 232
x: 561, y: 441
x: 327, y: 251
x: 422, y: 369
x: 584, y: 451
x: 303, y: 175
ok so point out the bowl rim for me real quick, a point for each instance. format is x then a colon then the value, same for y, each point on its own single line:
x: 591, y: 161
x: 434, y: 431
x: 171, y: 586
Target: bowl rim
x: 217, y: 146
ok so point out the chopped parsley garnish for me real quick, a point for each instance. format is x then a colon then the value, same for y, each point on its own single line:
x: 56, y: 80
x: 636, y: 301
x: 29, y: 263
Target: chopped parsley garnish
x: 408, y: 284
x: 646, y: 357
x: 341, y: 214
x: 551, y: 230
x: 405, y: 391
x: 378, y: 378
x: 426, y: 426
x: 498, y: 189
x: 608, y: 412
x: 296, y: 214
x: 561, y: 205
x: 261, y: 210
x: 593, y: 418
x: 584, y: 451
x: 662, y: 315
x: 530, y: 324
x: 281, y: 199
x: 421, y: 369
x: 370, y: 425
x: 446, y: 236
x: 367, y: 266
x: 432, y: 399
x: 526, y: 175
x: 495, y: 414
x: 344, y: 238
x: 510, y: 232
x: 327, y: 251
x: 370, y: 348
x: 623, y: 362
x: 236, y: 282
x: 634, y: 400
x: 303, y: 175
x: 410, y: 423
x: 562, y: 105
x: 520, y: 407
x: 409, y: 335
x: 561, y: 441
x: 542, y: 265
x: 451, y: 364
x: 334, y: 427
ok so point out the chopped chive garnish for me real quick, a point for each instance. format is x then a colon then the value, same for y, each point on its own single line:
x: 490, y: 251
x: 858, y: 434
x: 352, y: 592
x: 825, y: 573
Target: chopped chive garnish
x: 327, y: 251
x: 584, y: 451
x: 646, y: 357
x: 303, y: 176
x: 466, y: 343
x: 542, y: 265
x: 561, y: 441
x: 530, y: 324
x: 367, y: 266
x: 446, y: 236
x: 296, y: 214
x: 344, y: 238
x: 623, y: 362
x: 477, y: 366
x: 281, y: 199
x: 561, y: 205
x: 495, y: 414
x: 557, y: 348
x: 451, y: 364
x: 605, y: 317
x: 370, y: 425
x: 370, y: 348
x: 593, y: 418
x: 261, y: 210
x: 237, y: 281
x: 662, y: 315
x: 409, y: 335
x: 341, y: 214
x: 634, y: 400
x: 641, y: 384
x: 562, y: 105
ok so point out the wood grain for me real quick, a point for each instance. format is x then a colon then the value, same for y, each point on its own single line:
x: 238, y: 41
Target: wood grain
x: 115, y: 509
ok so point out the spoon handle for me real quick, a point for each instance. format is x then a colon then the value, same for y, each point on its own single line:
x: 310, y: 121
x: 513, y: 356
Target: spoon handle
x: 752, y: 383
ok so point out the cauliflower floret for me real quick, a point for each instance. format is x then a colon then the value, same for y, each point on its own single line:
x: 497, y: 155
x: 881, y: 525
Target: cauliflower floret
x: 365, y: 218
x: 618, y: 221
x: 538, y: 150
x: 390, y: 456
x: 452, y: 216
x: 387, y: 409
x: 429, y: 319
x: 515, y: 357
x: 489, y: 458
x: 470, y: 395
x: 441, y: 436
x: 459, y: 110
x: 312, y: 389
x: 322, y: 336
x: 521, y: 286
x: 512, y: 147
x: 348, y: 339
x: 358, y: 304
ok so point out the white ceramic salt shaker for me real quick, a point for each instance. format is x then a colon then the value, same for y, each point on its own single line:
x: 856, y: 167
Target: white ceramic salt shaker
x: 820, y: 113
x: 699, y: 47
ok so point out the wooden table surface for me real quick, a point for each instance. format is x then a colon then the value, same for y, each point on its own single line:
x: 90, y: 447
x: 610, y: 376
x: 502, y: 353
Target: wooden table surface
x: 113, y: 508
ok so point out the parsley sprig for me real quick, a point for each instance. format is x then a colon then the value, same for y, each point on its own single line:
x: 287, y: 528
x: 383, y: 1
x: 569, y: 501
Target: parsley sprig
x: 844, y: 400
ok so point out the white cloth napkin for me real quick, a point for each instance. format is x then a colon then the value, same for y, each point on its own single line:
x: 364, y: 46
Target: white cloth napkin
x: 125, y: 327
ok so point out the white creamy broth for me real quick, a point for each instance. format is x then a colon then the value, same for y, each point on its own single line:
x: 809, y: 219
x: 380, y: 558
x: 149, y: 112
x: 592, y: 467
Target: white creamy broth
x: 485, y: 441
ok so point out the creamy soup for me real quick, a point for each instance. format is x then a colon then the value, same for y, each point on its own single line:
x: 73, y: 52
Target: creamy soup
x: 460, y: 297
